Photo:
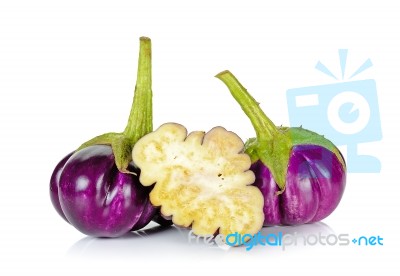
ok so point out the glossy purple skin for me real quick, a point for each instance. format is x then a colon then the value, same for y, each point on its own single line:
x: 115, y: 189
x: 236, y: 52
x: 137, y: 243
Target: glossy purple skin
x: 54, y: 180
x: 315, y: 184
x: 96, y: 198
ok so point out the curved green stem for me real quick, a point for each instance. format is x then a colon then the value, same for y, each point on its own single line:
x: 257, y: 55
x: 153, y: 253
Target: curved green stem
x: 271, y: 146
x: 140, y: 120
x: 264, y: 127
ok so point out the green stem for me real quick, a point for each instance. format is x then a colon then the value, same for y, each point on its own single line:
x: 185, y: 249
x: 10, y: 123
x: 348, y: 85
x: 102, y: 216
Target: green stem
x: 272, y: 147
x: 264, y: 127
x: 140, y: 120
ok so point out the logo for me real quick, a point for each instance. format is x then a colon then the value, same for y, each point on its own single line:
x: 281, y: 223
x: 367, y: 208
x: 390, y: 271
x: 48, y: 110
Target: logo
x: 210, y: 240
x: 283, y: 241
x: 346, y: 112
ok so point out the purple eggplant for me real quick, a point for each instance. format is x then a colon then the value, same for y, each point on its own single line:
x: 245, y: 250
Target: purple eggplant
x: 96, y: 188
x: 96, y: 197
x: 301, y: 174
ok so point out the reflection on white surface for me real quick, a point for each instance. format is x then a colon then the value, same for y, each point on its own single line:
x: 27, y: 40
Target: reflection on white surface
x: 173, y: 242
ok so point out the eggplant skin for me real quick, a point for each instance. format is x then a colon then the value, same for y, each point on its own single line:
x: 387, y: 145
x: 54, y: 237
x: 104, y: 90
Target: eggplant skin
x: 315, y: 183
x: 89, y: 192
x: 54, y: 180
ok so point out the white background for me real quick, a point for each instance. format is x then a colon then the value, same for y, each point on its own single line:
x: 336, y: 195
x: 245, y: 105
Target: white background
x: 67, y: 73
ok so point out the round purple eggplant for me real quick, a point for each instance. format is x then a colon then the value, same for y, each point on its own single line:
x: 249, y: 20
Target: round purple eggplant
x: 96, y: 188
x: 314, y: 186
x: 95, y: 197
x: 301, y: 174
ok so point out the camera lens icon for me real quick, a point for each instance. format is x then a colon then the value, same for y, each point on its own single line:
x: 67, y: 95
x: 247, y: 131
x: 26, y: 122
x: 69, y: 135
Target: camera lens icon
x: 348, y: 112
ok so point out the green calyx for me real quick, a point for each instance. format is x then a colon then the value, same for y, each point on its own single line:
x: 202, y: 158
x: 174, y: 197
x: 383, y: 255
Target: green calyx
x: 140, y: 120
x: 273, y: 145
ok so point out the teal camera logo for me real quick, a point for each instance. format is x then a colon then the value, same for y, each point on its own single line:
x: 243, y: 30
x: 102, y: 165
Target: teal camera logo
x: 346, y: 112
